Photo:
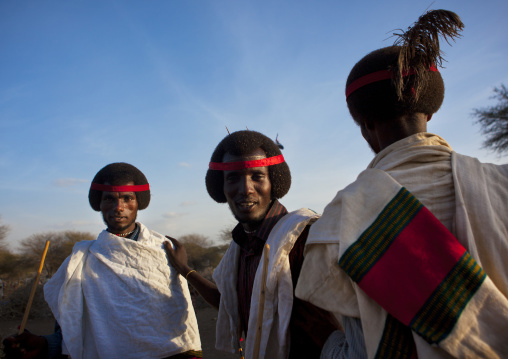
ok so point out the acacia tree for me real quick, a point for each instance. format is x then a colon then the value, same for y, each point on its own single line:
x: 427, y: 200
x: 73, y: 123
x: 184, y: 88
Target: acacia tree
x: 8, y: 259
x: 203, y: 254
x: 225, y: 236
x: 60, y: 247
x: 4, y: 229
x: 494, y: 121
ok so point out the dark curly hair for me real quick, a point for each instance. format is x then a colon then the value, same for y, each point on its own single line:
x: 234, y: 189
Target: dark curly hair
x: 379, y: 100
x: 415, y: 51
x: 117, y: 174
x: 242, y: 143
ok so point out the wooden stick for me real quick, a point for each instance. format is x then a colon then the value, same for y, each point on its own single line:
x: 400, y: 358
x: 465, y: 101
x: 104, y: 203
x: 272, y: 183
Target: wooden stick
x: 32, y: 293
x: 261, y: 307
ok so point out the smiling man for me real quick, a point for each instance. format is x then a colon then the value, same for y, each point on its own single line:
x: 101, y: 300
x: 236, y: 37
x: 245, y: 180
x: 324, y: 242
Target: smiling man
x: 248, y: 171
x: 116, y: 297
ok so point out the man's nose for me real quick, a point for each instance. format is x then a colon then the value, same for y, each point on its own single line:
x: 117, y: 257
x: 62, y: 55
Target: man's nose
x: 246, y: 186
x: 119, y: 205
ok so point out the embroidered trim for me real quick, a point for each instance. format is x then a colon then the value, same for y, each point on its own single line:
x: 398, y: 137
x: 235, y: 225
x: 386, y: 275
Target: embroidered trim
x: 436, y: 319
x: 360, y: 257
x: 396, y: 341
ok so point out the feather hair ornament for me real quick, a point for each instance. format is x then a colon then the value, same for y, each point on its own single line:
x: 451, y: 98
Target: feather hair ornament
x: 278, y: 143
x: 420, y: 47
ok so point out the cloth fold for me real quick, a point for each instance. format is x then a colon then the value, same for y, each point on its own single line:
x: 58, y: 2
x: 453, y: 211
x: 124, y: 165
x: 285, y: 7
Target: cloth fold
x: 118, y: 298
x: 278, y: 297
x: 481, y: 197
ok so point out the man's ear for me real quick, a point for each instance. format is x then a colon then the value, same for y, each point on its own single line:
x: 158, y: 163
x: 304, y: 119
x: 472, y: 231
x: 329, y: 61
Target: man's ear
x: 369, y: 125
x: 429, y: 117
x: 363, y: 122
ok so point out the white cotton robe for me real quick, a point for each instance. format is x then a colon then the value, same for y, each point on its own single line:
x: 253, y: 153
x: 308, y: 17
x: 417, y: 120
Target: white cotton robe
x: 278, y: 296
x: 468, y: 197
x: 118, y: 298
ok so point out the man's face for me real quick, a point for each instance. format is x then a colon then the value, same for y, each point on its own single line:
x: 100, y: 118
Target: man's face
x: 248, y: 191
x: 119, y: 210
x: 370, y: 137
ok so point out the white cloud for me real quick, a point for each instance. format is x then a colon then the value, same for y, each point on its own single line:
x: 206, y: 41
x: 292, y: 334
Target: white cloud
x: 184, y: 164
x: 173, y: 215
x: 187, y: 203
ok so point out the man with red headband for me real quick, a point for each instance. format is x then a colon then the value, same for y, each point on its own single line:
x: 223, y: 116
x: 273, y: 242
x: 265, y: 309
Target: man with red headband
x: 116, y: 297
x: 416, y: 247
x: 248, y: 171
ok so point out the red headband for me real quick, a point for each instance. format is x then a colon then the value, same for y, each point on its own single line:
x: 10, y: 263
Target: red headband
x: 240, y: 165
x: 378, y: 76
x: 131, y: 188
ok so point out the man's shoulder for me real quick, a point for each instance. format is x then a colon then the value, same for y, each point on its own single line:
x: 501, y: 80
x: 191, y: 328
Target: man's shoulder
x: 292, y: 226
x: 460, y: 161
x: 301, y: 214
x: 150, y: 236
x: 82, y: 245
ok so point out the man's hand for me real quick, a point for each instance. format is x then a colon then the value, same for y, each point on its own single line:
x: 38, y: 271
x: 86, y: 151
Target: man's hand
x: 178, y: 259
x: 25, y: 346
x: 177, y: 256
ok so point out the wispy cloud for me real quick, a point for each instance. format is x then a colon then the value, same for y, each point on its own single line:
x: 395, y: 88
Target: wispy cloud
x: 68, y: 182
x: 76, y: 224
x: 187, y: 203
x: 184, y: 164
x: 173, y: 215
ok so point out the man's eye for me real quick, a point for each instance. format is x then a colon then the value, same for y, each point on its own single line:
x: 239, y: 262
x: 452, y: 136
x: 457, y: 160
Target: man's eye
x: 231, y: 179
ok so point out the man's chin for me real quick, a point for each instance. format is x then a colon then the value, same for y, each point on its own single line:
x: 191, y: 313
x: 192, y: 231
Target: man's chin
x: 251, y: 222
x: 118, y: 228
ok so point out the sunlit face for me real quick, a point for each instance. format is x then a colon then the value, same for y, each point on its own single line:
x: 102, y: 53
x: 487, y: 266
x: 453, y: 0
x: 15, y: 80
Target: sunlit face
x: 119, y: 210
x: 248, y: 191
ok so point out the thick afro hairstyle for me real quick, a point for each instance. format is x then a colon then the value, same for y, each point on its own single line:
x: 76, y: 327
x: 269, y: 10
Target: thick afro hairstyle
x: 118, y: 174
x: 415, y: 51
x: 242, y: 143
x: 379, y: 101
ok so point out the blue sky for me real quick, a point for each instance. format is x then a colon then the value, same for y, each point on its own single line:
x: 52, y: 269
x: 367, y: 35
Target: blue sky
x: 154, y: 83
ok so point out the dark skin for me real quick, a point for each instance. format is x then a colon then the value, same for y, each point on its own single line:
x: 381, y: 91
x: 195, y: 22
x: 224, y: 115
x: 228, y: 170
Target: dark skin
x: 25, y: 346
x: 119, y: 211
x: 381, y: 135
x: 305, y: 314
x: 248, y: 193
x: 178, y: 259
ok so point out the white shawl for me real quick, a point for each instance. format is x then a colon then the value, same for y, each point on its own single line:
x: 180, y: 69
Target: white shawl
x: 481, y: 196
x: 278, y: 297
x: 118, y: 298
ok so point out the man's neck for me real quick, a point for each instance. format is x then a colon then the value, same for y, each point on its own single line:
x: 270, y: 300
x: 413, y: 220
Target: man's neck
x: 276, y: 212
x: 252, y: 227
x: 397, y: 129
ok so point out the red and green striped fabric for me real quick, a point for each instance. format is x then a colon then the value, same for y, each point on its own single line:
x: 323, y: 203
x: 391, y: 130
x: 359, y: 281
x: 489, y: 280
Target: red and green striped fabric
x: 411, y: 265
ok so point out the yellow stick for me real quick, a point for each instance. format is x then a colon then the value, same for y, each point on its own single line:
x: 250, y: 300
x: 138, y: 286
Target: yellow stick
x: 32, y: 293
x: 261, y: 308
